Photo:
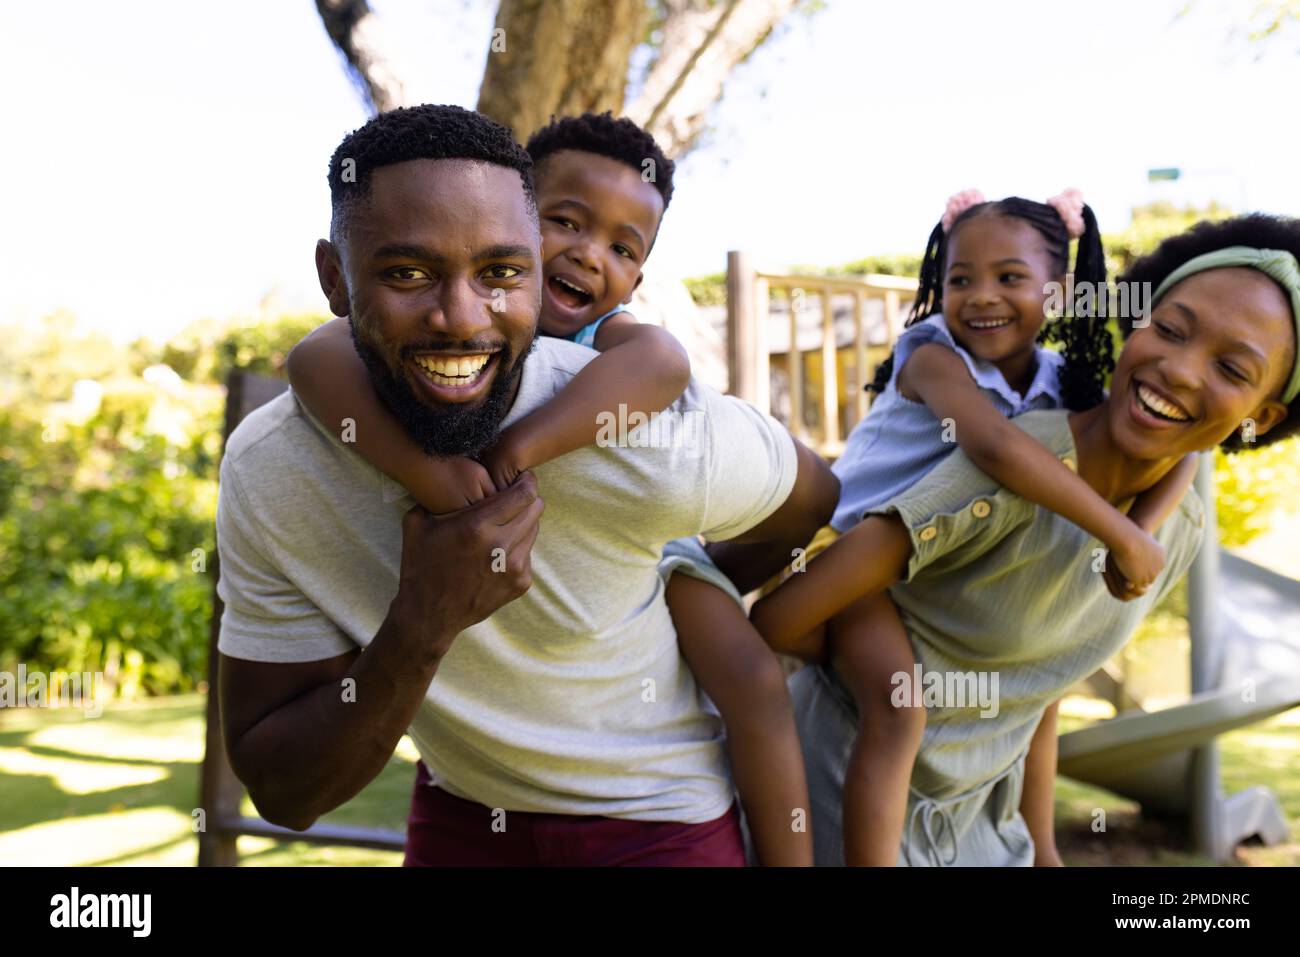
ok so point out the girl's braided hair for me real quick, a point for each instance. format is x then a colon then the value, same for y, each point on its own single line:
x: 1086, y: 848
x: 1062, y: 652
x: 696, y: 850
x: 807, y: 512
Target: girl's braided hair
x: 1086, y: 343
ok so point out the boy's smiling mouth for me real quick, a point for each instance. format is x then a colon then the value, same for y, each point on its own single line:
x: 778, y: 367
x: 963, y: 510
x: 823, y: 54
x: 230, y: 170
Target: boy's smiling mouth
x: 570, y: 292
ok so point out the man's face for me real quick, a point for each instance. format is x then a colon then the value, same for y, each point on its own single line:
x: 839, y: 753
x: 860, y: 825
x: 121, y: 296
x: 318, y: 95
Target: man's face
x: 440, y: 275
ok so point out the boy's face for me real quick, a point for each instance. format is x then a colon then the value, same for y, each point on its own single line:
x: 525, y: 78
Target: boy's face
x: 598, y: 220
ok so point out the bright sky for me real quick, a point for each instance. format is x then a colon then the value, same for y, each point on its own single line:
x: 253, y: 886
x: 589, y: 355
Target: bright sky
x: 166, y: 161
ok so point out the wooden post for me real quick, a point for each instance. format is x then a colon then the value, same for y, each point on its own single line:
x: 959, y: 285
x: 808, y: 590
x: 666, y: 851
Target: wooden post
x: 860, y: 356
x: 741, y: 328
x: 830, y: 373
x: 794, y: 363
x: 762, y: 356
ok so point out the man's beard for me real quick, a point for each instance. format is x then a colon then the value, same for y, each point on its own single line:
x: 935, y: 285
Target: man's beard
x: 454, y: 428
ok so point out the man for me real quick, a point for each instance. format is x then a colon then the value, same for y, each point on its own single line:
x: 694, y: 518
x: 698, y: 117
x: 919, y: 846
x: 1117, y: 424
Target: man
x: 533, y: 662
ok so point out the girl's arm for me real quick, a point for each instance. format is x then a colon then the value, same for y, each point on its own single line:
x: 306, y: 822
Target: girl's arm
x: 936, y: 375
x: 1149, y: 512
x: 641, y: 367
x: 867, y: 559
x: 1159, y: 501
x: 331, y: 380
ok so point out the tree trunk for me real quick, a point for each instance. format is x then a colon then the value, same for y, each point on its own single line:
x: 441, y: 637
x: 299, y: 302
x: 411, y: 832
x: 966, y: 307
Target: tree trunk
x: 558, y: 57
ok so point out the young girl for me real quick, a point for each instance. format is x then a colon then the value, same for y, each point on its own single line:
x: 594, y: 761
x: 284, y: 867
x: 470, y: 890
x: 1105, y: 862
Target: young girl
x: 598, y: 218
x: 967, y: 360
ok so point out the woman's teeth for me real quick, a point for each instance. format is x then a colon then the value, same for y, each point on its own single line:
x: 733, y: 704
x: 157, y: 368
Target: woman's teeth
x: 454, y: 370
x: 1159, y: 407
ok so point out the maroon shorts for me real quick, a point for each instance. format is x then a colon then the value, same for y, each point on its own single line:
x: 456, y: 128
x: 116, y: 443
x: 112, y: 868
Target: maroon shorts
x: 446, y: 831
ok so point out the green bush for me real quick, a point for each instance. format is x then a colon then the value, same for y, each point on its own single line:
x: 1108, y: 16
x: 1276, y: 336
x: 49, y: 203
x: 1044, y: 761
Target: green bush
x: 107, y: 502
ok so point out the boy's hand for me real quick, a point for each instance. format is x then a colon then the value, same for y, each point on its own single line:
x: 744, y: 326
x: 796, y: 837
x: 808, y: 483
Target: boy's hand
x: 1137, y: 560
x: 461, y: 482
x: 504, y: 461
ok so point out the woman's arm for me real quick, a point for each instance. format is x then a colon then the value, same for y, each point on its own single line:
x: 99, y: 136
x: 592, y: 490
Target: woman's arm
x: 1037, y: 799
x: 935, y: 375
x: 331, y: 380
x: 640, y: 367
x: 867, y: 559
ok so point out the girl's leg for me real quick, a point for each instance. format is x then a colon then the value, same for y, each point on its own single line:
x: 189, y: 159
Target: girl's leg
x: 868, y: 647
x: 744, y: 679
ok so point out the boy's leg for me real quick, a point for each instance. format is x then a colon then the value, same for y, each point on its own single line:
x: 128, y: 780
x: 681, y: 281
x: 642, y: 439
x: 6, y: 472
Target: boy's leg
x: 744, y: 679
x: 868, y: 646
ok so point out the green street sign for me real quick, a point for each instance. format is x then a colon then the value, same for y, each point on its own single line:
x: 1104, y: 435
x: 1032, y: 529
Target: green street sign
x: 1163, y: 173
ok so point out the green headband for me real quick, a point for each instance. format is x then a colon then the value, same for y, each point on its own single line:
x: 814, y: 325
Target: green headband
x: 1278, y: 264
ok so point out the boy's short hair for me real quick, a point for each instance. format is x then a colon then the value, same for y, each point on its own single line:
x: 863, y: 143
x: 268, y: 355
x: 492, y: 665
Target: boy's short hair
x: 606, y: 135
x: 419, y: 132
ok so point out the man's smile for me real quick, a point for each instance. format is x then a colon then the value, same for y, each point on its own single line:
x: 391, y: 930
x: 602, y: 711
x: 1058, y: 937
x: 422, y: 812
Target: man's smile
x: 454, y: 377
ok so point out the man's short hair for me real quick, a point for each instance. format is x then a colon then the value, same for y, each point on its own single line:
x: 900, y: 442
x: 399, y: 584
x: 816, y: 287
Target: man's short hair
x: 419, y: 132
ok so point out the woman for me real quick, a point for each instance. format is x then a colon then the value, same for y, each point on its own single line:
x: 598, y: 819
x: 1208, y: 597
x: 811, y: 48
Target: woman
x: 999, y: 596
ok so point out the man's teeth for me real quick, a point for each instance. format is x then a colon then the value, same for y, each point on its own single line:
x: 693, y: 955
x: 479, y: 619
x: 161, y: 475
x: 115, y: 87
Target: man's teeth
x: 452, y: 370
x: 987, y: 323
x: 1159, y: 406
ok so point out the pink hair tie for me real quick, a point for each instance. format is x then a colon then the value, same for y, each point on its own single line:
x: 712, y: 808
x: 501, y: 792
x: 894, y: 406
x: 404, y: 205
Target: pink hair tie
x: 958, y: 203
x: 1069, y: 206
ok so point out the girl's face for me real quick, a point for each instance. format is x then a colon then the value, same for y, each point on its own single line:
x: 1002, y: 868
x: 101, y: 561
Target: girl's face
x: 993, y: 287
x: 1217, y: 352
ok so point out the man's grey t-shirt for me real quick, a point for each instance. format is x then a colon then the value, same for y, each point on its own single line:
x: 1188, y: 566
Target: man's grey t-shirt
x: 573, y: 698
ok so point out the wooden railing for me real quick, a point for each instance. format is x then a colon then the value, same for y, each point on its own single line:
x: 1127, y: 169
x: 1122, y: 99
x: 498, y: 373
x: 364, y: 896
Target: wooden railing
x: 774, y: 375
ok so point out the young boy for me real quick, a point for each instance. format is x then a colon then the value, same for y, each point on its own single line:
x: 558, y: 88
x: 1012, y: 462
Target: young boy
x: 602, y: 186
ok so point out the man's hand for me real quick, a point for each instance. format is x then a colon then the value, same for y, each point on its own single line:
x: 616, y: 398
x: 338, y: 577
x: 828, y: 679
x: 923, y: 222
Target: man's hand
x: 457, y: 569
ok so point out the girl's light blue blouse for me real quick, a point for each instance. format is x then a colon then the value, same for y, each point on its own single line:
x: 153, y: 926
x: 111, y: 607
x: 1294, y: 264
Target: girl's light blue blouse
x: 900, y: 440
x: 586, y: 336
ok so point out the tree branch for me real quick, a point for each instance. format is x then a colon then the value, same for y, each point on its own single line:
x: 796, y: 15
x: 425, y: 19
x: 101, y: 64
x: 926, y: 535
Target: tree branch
x: 357, y: 34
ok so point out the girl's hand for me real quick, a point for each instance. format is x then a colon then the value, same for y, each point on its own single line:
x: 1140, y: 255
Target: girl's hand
x: 1137, y: 561
x: 461, y: 482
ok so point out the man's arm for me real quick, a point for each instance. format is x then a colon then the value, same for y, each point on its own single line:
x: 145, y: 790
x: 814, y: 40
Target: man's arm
x: 301, y: 744
x: 753, y: 557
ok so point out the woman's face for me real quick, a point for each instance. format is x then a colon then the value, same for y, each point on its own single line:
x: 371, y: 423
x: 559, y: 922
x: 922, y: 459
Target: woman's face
x: 1217, y: 352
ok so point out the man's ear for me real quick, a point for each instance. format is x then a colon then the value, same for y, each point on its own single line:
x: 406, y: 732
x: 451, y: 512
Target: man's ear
x: 635, y: 286
x: 329, y: 270
x: 1268, y: 415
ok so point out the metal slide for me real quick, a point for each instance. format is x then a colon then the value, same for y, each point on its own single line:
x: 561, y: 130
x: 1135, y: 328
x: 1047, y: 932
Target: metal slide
x: 1245, y: 631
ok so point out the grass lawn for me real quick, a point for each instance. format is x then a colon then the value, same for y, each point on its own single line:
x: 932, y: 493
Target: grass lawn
x: 120, y: 790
